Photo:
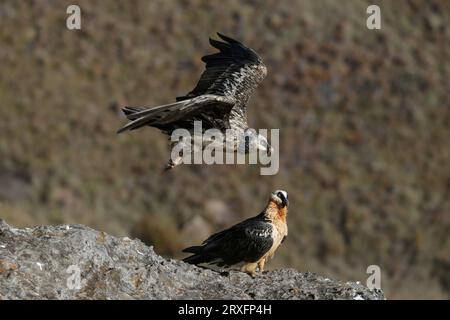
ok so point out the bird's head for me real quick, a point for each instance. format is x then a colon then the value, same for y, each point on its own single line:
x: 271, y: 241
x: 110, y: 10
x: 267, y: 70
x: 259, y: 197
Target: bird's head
x: 263, y: 144
x: 279, y: 198
x: 277, y: 207
x: 255, y: 141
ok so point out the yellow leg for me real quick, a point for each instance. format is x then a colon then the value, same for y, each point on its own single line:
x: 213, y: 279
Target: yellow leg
x: 250, y: 268
x: 261, y: 264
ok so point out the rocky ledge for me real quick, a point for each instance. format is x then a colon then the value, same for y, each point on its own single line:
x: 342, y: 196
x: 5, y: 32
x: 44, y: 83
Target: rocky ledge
x: 76, y: 262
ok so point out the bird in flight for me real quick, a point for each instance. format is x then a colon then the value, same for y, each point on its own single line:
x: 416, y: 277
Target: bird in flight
x: 219, y: 100
x: 247, y: 245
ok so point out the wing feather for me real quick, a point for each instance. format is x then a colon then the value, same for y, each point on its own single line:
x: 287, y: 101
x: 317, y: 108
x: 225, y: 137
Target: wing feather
x: 234, y: 70
x: 229, y: 78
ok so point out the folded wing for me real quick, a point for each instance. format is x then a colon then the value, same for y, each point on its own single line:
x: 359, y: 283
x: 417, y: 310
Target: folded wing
x: 245, y: 242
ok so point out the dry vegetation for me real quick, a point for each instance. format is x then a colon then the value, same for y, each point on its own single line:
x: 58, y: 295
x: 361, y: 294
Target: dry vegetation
x: 364, y: 118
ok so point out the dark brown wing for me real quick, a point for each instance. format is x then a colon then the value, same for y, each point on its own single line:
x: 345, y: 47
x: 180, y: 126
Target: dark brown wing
x: 235, y: 71
x: 230, y: 77
x: 245, y: 242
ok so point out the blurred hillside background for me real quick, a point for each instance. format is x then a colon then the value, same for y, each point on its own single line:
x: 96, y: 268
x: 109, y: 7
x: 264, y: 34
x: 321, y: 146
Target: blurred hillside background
x: 364, y: 117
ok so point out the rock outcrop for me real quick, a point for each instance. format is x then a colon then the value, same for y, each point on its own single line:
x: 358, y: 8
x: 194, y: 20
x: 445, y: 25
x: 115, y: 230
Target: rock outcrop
x: 76, y: 262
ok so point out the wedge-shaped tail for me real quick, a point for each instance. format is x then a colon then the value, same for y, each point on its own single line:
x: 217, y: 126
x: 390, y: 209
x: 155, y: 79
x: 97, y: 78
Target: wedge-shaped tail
x: 205, y: 108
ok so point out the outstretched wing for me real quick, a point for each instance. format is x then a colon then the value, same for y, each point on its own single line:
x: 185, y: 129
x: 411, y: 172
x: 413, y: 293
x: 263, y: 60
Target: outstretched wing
x: 230, y: 77
x: 245, y: 242
x: 235, y: 71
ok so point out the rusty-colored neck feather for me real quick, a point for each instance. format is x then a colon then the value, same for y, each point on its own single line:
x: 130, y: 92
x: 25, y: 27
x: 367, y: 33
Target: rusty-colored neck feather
x: 273, y: 212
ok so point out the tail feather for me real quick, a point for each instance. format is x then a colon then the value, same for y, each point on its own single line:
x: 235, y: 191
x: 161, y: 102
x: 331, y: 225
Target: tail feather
x: 207, y: 261
x: 130, y: 111
x: 137, y: 123
x: 196, y: 259
x: 164, y: 115
x: 141, y: 117
x: 193, y: 249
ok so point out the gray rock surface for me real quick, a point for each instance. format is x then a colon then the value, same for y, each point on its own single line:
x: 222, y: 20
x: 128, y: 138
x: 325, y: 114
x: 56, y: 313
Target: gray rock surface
x: 47, y: 262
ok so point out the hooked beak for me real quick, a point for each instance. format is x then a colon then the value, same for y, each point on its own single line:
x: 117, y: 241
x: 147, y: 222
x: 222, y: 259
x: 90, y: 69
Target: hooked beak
x: 284, y: 202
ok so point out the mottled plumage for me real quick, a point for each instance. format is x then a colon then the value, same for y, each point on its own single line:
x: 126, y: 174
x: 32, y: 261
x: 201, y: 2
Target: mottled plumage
x: 248, y: 244
x: 219, y: 99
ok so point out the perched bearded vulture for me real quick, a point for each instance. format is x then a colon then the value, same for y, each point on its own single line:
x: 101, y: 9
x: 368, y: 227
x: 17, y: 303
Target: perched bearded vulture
x: 219, y: 100
x: 247, y: 245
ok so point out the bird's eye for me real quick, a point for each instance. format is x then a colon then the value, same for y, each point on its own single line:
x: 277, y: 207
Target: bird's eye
x: 279, y: 194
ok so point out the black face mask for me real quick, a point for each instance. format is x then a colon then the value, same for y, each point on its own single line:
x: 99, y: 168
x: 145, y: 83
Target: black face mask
x: 284, y: 200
